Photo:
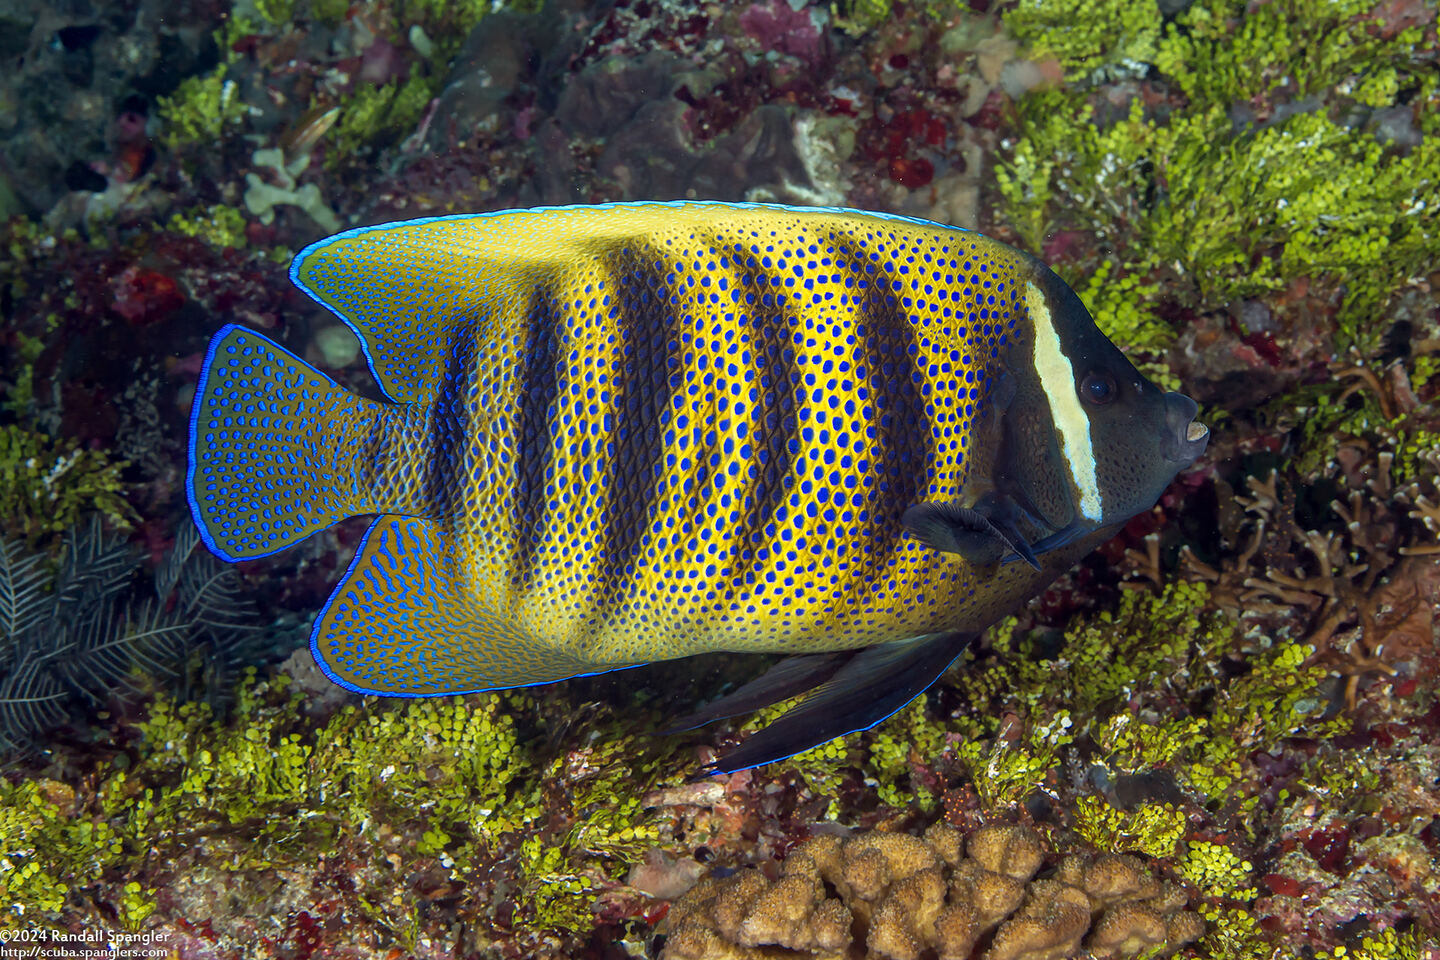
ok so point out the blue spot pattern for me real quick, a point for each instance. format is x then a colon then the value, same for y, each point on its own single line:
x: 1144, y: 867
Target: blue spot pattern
x: 403, y: 589
x: 269, y: 463
x: 628, y: 433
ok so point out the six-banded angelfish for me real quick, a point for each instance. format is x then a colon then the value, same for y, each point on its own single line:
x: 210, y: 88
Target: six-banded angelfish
x: 633, y: 432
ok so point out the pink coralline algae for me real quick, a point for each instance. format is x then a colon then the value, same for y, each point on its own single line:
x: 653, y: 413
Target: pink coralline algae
x: 896, y: 145
x: 144, y: 296
x: 783, y: 29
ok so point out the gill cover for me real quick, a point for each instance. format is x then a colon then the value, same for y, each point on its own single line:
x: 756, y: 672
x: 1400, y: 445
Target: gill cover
x: 1077, y: 440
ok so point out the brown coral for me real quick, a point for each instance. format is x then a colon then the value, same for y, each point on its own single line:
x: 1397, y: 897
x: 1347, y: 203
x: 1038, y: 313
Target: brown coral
x: 1334, y: 579
x: 903, y: 898
x: 742, y: 916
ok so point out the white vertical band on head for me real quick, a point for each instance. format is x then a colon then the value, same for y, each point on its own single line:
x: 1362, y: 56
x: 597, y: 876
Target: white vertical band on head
x: 1057, y: 378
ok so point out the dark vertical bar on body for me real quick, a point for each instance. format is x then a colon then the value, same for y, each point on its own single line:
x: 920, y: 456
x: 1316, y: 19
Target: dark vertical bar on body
x: 539, y: 389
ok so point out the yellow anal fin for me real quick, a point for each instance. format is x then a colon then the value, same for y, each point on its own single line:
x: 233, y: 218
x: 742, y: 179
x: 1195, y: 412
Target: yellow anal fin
x: 403, y: 623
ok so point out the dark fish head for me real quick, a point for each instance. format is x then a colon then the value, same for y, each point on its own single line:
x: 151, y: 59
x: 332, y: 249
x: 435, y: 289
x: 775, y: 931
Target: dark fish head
x: 1088, y: 441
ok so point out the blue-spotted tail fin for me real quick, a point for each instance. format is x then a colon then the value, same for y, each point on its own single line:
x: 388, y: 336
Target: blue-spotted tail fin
x: 403, y: 623
x: 271, y: 440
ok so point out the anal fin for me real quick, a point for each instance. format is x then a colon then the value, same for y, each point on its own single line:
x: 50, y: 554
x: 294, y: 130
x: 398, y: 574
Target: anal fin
x: 869, y: 687
x: 403, y: 623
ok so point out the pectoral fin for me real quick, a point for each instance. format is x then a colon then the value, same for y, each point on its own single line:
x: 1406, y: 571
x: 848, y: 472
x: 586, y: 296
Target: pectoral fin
x: 869, y: 687
x: 982, y: 536
x: 1063, y: 537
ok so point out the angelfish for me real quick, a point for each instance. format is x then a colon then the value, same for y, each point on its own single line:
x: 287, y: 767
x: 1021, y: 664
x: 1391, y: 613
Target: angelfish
x: 632, y: 432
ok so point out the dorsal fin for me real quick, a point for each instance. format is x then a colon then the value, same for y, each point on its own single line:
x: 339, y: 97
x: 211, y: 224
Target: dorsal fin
x: 400, y: 286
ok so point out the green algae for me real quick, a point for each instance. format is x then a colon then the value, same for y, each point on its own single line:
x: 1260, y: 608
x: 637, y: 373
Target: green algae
x: 46, y: 485
x: 858, y: 16
x: 1154, y: 646
x: 1006, y: 771
x: 1089, y: 36
x: 1387, y: 944
x: 1148, y: 637
x: 1233, y: 933
x: 1116, y: 300
x: 331, y: 12
x: 447, y: 779
x: 1154, y: 829
x: 1220, y: 207
x: 21, y: 395
x: 37, y: 844
x: 609, y: 831
x: 911, y: 736
x: 360, y: 764
x: 205, y: 109
x: 375, y: 116
x: 201, y: 110
x: 456, y: 15
x: 276, y: 11
x: 219, y: 226
x: 861, y: 16
x: 1415, y: 455
x: 1277, y: 700
x: 136, y: 904
x: 1229, y: 51
x: 1224, y: 878
x: 1217, y: 871
x: 1423, y: 369
x: 1324, y: 417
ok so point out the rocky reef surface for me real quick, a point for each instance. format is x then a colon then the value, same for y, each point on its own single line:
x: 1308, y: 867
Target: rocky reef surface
x: 1218, y: 736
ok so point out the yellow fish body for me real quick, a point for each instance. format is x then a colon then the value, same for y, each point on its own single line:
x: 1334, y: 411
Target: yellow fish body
x: 634, y: 432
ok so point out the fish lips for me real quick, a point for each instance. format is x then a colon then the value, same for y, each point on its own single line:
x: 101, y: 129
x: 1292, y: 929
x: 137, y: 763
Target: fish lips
x: 1185, y: 438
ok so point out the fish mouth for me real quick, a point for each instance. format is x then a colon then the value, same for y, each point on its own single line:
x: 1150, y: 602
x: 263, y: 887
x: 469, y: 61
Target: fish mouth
x: 1185, y: 437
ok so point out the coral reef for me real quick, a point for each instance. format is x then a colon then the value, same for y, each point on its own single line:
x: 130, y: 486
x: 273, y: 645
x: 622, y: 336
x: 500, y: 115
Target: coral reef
x: 387, y: 814
x: 904, y: 898
x: 261, y: 197
x: 1240, y: 688
x: 67, y: 69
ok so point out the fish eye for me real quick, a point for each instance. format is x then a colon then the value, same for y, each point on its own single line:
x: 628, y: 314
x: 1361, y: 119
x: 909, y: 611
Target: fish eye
x: 1098, y: 388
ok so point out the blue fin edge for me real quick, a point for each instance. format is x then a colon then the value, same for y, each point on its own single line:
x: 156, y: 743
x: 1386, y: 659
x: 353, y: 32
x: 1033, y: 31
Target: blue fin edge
x: 725, y: 763
x: 195, y: 405
x: 215, y: 340
x: 346, y: 685
x: 318, y: 245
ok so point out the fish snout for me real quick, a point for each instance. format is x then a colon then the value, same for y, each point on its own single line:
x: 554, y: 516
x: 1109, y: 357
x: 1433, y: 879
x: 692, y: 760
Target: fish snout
x: 1185, y: 437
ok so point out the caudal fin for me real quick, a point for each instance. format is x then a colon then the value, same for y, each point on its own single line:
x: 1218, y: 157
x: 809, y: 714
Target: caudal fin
x: 267, y: 448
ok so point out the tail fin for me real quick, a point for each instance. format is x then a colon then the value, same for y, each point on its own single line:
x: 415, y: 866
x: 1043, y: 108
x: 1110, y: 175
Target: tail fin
x: 269, y: 458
